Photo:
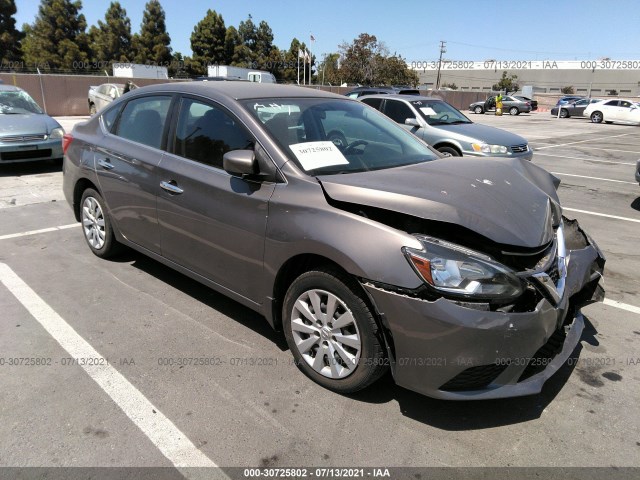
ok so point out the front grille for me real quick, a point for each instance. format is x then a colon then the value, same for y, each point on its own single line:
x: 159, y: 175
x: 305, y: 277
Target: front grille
x: 474, y: 378
x: 545, y: 354
x: 26, y: 154
x: 520, y: 148
x: 23, y: 138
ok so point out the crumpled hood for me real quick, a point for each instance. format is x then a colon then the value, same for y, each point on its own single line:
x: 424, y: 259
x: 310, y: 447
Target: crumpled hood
x: 509, y: 201
x: 26, y: 124
x: 490, y: 135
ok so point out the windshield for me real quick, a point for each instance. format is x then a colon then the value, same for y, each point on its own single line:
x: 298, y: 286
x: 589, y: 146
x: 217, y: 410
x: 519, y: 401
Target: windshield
x: 327, y: 136
x: 19, y: 101
x: 437, y: 112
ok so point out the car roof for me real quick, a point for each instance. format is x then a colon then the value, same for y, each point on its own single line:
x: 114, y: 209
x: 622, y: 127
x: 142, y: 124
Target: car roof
x: 407, y: 98
x: 9, y: 88
x: 238, y: 90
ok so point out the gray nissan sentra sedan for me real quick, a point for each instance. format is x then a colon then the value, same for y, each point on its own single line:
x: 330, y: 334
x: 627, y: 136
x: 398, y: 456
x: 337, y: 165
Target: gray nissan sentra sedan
x: 461, y: 275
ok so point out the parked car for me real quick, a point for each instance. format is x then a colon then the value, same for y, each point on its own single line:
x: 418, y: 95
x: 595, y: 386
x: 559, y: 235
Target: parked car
x: 445, y: 128
x: 509, y: 104
x: 638, y: 171
x: 26, y: 132
x: 568, y: 99
x: 102, y: 95
x: 375, y: 254
x: 534, y: 103
x: 616, y: 110
x: 574, y: 108
x: 362, y: 91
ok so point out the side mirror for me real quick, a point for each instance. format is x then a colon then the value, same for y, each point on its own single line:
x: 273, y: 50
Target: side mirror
x: 413, y: 122
x: 240, y: 163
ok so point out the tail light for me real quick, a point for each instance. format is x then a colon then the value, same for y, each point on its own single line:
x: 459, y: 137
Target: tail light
x: 67, y: 138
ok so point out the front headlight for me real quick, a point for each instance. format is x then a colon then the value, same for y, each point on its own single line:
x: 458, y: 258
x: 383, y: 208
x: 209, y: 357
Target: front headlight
x: 457, y: 271
x: 57, y: 133
x: 485, y: 148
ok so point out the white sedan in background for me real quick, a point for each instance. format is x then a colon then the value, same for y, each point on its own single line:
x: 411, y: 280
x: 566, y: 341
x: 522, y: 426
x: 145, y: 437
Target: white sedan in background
x: 617, y: 110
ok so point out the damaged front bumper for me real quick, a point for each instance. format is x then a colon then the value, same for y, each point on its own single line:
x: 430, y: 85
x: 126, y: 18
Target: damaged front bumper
x: 451, y: 350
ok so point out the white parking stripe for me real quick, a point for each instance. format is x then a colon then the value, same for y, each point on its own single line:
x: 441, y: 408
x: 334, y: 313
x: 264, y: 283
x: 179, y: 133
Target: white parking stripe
x: 161, y: 431
x: 587, y: 140
x: 36, y: 232
x: 613, y: 150
x: 536, y: 154
x: 593, y: 178
x: 623, y: 306
x: 627, y: 219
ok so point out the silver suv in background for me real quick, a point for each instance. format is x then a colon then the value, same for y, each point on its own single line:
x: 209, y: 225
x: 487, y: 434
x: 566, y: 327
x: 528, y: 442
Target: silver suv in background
x: 447, y: 129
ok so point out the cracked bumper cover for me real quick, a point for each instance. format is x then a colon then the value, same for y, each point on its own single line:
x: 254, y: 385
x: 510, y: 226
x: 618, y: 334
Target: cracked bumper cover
x: 432, y: 342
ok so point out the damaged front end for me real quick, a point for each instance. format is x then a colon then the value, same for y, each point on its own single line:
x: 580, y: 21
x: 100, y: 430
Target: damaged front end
x: 479, y: 328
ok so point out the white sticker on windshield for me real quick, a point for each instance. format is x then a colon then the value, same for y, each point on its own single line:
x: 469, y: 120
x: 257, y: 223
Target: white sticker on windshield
x: 312, y: 155
x: 428, y: 111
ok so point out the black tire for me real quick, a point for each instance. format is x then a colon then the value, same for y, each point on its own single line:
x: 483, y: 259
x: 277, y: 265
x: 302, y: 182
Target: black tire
x: 92, y: 109
x: 478, y: 109
x: 596, y: 117
x: 514, y: 111
x: 110, y: 247
x: 338, y: 139
x: 372, y: 363
x: 564, y: 113
x: 449, y: 151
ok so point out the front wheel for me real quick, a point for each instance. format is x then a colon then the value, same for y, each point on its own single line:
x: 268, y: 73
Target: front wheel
x: 514, y: 111
x: 564, y: 113
x: 478, y: 109
x: 331, y: 331
x: 449, y: 151
x: 596, y: 117
x: 96, y: 225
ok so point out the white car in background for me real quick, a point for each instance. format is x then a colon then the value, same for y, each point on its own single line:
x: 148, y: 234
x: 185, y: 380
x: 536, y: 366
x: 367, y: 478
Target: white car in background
x: 616, y: 110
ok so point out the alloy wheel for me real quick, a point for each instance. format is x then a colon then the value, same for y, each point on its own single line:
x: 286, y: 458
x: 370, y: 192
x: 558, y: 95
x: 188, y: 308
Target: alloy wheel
x: 93, y: 223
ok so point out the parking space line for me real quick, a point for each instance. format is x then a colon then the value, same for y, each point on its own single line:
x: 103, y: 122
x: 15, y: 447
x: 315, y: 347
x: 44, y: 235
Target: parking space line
x: 171, y: 442
x: 622, y: 306
x: 36, y: 232
x: 616, y: 217
x: 593, y: 178
x: 613, y: 150
x: 581, y: 158
x: 587, y: 140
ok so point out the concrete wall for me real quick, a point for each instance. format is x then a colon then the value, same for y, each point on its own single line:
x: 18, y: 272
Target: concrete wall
x: 62, y: 95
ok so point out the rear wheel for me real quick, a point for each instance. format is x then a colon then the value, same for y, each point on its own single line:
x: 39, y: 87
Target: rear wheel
x: 96, y: 225
x: 331, y: 331
x: 564, y: 113
x: 596, y: 117
x: 477, y: 109
x: 514, y: 111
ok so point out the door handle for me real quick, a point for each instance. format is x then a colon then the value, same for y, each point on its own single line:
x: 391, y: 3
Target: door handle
x: 171, y: 187
x: 106, y: 164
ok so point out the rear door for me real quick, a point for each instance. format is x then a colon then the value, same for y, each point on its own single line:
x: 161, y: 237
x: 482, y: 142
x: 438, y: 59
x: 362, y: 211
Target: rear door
x: 610, y: 110
x: 127, y: 159
x: 212, y: 223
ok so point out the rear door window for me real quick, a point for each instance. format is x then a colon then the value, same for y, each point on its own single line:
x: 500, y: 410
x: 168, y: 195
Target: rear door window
x: 143, y: 120
x: 398, y: 111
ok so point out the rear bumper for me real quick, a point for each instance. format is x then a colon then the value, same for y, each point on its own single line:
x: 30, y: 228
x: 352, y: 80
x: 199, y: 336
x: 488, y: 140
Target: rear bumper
x: 446, y: 350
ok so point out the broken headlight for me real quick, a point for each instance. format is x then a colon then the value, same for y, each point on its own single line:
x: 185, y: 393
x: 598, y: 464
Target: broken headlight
x: 456, y: 271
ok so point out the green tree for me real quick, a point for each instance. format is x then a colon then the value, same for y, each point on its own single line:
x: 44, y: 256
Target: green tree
x: 264, y: 44
x: 329, y: 70
x: 360, y: 58
x: 245, y: 54
x: 152, y: 45
x: 451, y: 86
x: 110, y: 41
x: 57, y: 39
x: 507, y: 83
x: 208, y: 42
x: 231, y: 41
x: 568, y: 90
x: 10, y: 37
x: 393, y: 70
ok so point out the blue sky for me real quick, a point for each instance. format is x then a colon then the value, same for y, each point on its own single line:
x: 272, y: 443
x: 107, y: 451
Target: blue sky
x: 473, y: 29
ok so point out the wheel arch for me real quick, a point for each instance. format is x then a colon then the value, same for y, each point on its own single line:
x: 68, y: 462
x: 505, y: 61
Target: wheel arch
x: 450, y: 144
x: 81, y: 185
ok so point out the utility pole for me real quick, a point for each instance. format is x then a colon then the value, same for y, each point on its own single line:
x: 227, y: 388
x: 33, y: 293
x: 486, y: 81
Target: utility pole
x: 443, y: 49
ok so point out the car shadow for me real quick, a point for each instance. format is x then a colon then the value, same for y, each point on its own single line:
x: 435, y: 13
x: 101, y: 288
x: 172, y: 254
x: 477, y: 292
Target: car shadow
x: 35, y: 167
x: 442, y: 414
x: 636, y: 204
x: 203, y: 294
